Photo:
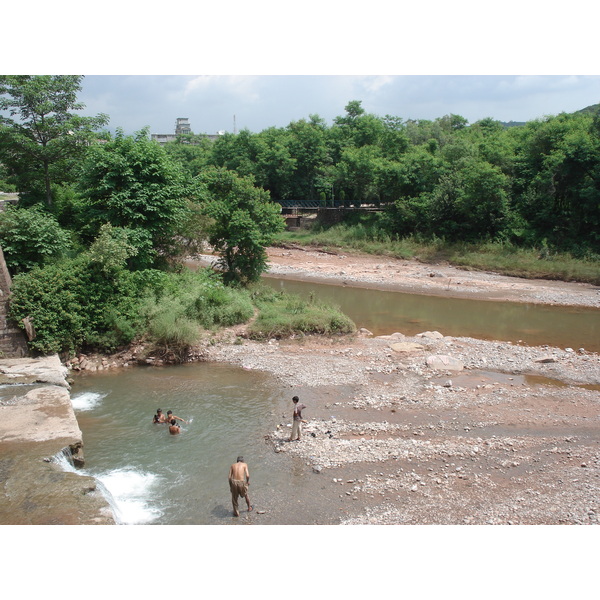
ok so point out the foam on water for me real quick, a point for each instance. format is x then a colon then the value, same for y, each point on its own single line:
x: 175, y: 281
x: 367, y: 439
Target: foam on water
x: 126, y: 490
x: 86, y: 400
x: 130, y: 490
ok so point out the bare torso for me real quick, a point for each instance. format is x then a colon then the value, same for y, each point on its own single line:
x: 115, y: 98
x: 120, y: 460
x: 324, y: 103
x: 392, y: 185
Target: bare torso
x: 239, y: 471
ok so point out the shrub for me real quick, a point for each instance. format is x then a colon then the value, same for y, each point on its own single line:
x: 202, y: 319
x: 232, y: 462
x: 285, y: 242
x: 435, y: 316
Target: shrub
x: 31, y: 237
x: 283, y: 315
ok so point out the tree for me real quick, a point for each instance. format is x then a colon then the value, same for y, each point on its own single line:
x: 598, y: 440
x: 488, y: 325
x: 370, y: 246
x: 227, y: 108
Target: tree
x: 40, y: 145
x: 309, y: 149
x: 131, y: 182
x: 244, y: 222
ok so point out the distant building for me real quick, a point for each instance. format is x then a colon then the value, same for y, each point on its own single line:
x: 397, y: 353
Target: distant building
x: 182, y: 127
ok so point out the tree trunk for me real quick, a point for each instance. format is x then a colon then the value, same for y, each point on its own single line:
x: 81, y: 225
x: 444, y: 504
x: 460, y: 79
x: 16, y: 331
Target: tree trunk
x: 47, y: 180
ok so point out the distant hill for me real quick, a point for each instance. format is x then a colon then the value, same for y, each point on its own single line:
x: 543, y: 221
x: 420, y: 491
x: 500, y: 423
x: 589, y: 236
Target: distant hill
x: 592, y: 110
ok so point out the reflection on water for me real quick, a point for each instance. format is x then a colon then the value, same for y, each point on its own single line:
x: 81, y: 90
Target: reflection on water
x: 385, y: 312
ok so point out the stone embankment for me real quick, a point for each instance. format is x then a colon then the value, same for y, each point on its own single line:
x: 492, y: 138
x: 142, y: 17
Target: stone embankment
x: 37, y: 423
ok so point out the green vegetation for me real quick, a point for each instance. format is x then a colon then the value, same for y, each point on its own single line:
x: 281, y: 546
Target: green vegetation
x: 42, y: 145
x: 243, y: 223
x: 282, y: 315
x: 97, y: 242
x: 531, y: 185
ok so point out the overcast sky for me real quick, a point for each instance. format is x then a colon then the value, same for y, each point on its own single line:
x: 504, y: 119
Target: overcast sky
x: 213, y: 102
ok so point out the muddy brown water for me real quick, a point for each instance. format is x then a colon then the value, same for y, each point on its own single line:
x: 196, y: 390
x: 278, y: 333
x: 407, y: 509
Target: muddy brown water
x: 386, y: 312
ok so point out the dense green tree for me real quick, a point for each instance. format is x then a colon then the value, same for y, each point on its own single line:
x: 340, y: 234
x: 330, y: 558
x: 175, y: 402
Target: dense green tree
x: 244, y: 222
x: 556, y: 181
x: 192, y: 152
x: 132, y: 183
x: 274, y: 165
x: 41, y: 137
x: 308, y: 147
x: 237, y: 152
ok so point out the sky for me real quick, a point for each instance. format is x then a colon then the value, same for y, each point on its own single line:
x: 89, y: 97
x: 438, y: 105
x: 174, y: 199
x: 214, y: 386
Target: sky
x: 215, y: 103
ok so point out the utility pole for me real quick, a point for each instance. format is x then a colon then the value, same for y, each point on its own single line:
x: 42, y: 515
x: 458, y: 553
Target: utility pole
x: 234, y: 128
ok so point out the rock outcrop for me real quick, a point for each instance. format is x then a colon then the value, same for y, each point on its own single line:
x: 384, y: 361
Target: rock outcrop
x: 37, y: 423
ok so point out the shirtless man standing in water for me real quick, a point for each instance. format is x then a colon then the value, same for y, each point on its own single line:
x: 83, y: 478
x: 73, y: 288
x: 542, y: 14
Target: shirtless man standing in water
x: 239, y: 480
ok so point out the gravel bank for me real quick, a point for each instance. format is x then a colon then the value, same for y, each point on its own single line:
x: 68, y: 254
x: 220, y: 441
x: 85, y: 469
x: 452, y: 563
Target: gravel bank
x: 508, y: 435
x: 491, y: 433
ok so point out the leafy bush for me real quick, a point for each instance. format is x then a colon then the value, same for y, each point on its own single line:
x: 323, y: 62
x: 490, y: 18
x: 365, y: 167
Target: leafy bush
x: 74, y: 305
x: 31, y: 237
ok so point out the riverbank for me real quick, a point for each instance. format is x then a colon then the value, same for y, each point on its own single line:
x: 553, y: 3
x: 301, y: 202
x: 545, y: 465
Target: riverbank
x: 428, y: 429
x: 411, y: 276
x: 432, y: 429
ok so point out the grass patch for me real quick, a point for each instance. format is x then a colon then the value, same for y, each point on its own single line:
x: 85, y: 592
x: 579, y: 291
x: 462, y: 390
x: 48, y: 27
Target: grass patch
x: 283, y: 315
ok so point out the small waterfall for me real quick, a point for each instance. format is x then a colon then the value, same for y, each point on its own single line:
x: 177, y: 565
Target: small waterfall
x: 64, y: 459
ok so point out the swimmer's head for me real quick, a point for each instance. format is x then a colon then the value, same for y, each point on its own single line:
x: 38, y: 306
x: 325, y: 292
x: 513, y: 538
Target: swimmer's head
x: 240, y: 459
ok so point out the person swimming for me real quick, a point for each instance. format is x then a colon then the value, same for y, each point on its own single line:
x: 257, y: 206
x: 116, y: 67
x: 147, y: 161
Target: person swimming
x: 159, y: 417
x: 171, y: 416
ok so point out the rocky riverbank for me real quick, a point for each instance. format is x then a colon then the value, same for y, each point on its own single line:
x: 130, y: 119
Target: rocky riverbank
x: 433, y: 429
x: 37, y: 423
x: 430, y: 429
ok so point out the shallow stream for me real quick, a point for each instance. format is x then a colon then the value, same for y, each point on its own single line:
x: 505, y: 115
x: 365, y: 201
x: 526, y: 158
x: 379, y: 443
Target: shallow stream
x: 156, y: 478
x: 385, y: 312
x: 153, y: 477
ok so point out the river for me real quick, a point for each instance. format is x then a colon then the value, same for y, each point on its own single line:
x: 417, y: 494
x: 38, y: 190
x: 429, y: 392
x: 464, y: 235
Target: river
x: 153, y: 477
x: 156, y: 478
x: 385, y: 312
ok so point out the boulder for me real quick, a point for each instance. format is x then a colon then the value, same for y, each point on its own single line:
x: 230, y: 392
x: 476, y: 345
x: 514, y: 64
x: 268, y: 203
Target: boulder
x: 434, y: 335
x: 444, y: 362
x: 405, y: 347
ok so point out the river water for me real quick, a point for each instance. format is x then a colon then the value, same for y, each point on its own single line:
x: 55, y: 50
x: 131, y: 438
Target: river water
x: 153, y: 477
x: 385, y: 312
